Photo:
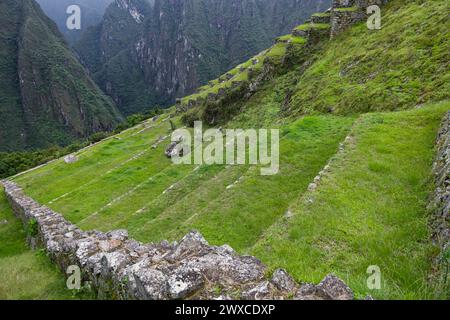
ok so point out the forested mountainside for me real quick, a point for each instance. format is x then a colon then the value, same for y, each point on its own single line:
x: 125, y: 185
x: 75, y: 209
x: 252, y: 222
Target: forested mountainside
x: 46, y: 95
x: 91, y: 14
x: 149, y: 52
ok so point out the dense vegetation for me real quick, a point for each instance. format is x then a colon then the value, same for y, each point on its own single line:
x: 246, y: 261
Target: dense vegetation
x: 46, y: 96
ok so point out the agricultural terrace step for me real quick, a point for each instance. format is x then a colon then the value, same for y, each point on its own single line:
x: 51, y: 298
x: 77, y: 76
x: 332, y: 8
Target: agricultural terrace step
x: 123, y: 268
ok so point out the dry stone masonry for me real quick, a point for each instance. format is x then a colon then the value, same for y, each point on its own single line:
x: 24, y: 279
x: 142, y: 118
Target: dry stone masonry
x: 121, y: 268
x: 440, y: 203
x: 117, y: 267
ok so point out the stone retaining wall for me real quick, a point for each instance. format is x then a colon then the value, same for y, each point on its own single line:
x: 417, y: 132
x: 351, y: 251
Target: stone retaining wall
x: 440, y: 203
x: 117, y: 267
x: 342, y: 20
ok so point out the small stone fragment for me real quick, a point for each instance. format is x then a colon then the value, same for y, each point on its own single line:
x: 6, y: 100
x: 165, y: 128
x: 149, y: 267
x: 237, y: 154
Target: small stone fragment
x: 71, y: 158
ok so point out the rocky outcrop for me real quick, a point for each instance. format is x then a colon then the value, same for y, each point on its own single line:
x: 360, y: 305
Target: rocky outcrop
x: 440, y: 202
x: 118, y: 267
x: 174, y: 149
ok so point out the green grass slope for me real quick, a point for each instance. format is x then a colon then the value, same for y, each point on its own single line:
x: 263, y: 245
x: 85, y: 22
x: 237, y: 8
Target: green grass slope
x: 127, y: 184
x: 25, y: 274
x: 370, y: 209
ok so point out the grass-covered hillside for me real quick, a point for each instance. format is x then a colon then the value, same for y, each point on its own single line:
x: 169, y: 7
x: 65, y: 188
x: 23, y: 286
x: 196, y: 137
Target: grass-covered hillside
x: 372, y: 147
x: 369, y: 209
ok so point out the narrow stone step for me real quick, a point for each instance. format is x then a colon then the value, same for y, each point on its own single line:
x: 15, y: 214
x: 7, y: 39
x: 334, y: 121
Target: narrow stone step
x: 343, y: 3
x: 321, y: 18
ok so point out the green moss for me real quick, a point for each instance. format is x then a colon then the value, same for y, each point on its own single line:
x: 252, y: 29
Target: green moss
x: 309, y: 26
x: 32, y: 228
x: 292, y: 39
x: 347, y: 9
x: 277, y: 50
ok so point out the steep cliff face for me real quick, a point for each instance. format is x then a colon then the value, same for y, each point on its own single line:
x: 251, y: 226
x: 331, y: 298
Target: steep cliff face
x: 167, y: 48
x: 91, y: 14
x: 46, y: 96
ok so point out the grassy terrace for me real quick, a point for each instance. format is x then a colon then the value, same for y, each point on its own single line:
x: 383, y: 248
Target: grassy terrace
x: 156, y: 200
x: 238, y: 204
x: 321, y: 14
x: 309, y: 26
x: 369, y: 210
x: 402, y: 65
x: 347, y: 9
x: 292, y: 39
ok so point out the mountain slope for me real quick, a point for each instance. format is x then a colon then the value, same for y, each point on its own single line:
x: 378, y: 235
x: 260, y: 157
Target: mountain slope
x: 357, y: 74
x: 46, y: 96
x: 91, y: 14
x: 171, y: 47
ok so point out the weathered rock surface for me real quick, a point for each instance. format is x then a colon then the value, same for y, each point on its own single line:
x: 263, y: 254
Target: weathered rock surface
x: 121, y: 268
x: 171, y: 150
x: 440, y: 202
x: 174, y: 148
x: 345, y: 13
x: 330, y: 288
